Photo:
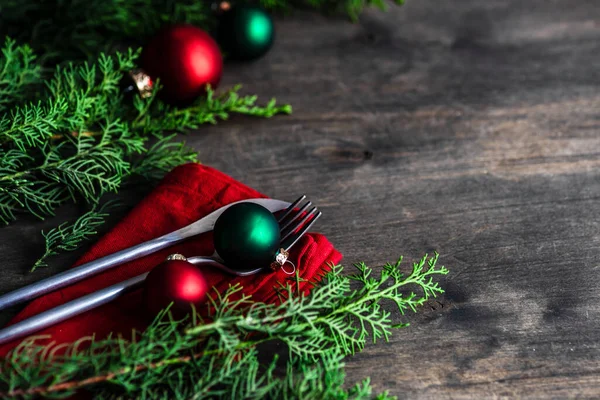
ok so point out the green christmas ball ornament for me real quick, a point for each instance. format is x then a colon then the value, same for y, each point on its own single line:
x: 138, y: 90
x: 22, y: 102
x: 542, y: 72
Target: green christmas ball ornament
x: 245, y: 32
x: 246, y: 236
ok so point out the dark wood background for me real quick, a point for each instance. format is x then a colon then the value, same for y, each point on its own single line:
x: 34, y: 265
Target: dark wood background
x: 468, y: 127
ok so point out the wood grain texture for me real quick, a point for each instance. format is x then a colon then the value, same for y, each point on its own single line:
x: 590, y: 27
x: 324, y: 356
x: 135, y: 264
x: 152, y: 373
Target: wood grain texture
x: 467, y: 127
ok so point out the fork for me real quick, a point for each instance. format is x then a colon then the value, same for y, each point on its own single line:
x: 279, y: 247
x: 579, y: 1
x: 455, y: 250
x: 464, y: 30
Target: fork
x: 293, y: 225
x: 286, y: 229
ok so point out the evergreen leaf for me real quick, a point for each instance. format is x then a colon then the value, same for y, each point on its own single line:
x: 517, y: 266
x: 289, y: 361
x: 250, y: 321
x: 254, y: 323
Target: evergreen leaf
x: 217, y: 354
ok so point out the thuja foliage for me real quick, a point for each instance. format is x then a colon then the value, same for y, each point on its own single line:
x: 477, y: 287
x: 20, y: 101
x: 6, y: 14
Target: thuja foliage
x: 77, y: 138
x: 68, y: 236
x: 19, y: 74
x: 217, y: 353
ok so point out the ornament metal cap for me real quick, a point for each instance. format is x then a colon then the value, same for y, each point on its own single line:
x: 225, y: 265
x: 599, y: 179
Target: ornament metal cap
x: 280, y: 259
x: 142, y: 81
x: 176, y: 256
x: 224, y: 6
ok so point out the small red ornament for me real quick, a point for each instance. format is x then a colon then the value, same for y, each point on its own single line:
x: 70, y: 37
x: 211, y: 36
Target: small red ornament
x: 185, y: 59
x: 177, y: 281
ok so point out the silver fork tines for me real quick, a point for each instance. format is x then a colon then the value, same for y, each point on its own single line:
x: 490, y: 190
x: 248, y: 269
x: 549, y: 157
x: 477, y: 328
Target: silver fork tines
x: 290, y: 208
x: 294, y: 223
x: 304, y: 218
x: 286, y: 222
x: 309, y: 219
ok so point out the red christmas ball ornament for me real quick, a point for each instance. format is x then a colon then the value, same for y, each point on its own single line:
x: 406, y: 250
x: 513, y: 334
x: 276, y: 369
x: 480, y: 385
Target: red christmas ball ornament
x: 176, y: 281
x: 185, y: 59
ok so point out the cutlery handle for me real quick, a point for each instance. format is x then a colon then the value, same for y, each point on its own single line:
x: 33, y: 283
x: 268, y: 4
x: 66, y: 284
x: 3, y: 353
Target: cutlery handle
x: 80, y: 305
x: 102, y: 264
x: 70, y: 309
x: 86, y: 270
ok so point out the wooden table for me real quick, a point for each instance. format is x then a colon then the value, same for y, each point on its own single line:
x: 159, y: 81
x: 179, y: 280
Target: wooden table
x: 467, y: 127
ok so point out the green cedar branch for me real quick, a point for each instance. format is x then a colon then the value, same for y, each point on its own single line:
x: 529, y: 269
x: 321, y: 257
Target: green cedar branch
x: 164, y: 155
x: 82, y: 139
x: 19, y: 73
x: 79, y: 30
x: 155, y: 117
x: 217, y: 355
x: 69, y: 236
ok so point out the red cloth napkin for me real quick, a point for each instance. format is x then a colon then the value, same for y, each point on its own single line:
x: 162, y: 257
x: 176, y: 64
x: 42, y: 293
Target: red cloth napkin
x: 186, y: 194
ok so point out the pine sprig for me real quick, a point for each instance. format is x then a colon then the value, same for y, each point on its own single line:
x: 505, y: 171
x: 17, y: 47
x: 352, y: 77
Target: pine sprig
x: 69, y: 236
x: 83, y: 139
x: 79, y: 30
x: 32, y: 124
x: 217, y: 355
x: 19, y: 73
x: 19, y: 194
x: 161, y: 157
x: 156, y: 117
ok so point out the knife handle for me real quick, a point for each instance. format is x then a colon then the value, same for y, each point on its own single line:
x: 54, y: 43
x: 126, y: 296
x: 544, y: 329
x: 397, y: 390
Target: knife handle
x: 69, y: 310
x: 86, y: 270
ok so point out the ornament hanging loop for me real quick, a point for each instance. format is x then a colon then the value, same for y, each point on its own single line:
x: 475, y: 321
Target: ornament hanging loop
x: 280, y: 260
x: 289, y: 272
